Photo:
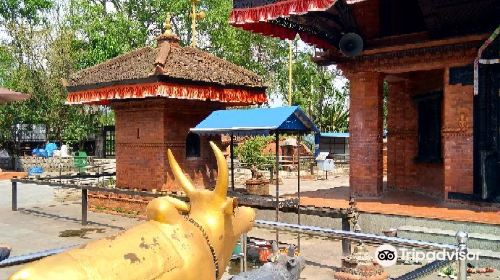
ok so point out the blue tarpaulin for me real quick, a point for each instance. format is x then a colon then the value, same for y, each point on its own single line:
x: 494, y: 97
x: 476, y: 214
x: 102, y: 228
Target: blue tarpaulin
x: 334, y: 135
x: 257, y: 121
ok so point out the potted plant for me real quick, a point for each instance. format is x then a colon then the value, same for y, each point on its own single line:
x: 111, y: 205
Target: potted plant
x: 257, y: 185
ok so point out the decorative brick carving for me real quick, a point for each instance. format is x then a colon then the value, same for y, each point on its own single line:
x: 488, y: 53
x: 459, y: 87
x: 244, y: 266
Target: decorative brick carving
x: 438, y: 57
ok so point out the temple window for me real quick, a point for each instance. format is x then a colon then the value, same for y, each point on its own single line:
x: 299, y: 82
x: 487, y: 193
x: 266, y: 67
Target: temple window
x: 429, y: 127
x: 192, y: 145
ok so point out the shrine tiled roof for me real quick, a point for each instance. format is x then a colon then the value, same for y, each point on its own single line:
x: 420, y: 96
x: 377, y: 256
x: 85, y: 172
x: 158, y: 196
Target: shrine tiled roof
x: 168, y: 61
x: 168, y: 71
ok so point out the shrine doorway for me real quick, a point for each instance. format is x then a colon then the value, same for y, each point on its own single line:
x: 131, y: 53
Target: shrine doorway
x: 487, y: 134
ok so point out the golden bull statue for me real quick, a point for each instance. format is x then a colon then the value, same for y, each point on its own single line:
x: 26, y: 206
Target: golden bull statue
x: 180, y: 241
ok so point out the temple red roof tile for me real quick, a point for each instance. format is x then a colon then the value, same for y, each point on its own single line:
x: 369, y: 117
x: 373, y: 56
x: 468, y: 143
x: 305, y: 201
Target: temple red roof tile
x: 184, y: 63
x: 168, y: 71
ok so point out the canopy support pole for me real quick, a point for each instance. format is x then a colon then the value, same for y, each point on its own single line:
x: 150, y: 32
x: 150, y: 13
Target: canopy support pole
x: 231, y: 149
x: 277, y: 183
x: 298, y: 188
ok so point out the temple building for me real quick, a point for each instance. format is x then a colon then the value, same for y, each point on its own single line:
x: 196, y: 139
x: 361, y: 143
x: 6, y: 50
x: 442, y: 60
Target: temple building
x: 438, y: 61
x: 157, y: 95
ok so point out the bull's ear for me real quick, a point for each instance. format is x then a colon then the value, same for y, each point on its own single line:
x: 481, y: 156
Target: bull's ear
x: 229, y: 206
x: 222, y: 172
x: 166, y: 210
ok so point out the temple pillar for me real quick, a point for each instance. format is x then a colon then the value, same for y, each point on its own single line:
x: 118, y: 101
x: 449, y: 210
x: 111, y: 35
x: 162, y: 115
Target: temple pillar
x: 366, y: 123
x: 402, y: 171
x: 457, y: 136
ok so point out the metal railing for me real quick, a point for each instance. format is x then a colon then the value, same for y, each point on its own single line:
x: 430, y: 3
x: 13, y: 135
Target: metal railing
x: 461, y: 245
x: 17, y: 260
x: 325, y: 232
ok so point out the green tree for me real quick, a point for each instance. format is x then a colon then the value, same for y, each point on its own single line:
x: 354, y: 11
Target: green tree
x: 80, y: 33
x: 250, y: 152
x: 102, y: 34
x: 27, y: 11
x: 314, y: 89
x: 106, y: 33
x: 36, y: 58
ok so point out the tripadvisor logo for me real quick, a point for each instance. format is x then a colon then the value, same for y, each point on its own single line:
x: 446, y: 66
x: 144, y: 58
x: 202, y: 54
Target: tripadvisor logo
x: 387, y: 255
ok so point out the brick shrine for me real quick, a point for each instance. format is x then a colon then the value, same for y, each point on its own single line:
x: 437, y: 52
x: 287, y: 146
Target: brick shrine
x: 442, y: 133
x: 157, y: 95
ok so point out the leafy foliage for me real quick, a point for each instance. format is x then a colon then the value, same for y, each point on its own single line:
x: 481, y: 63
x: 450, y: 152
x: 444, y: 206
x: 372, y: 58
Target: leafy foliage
x: 315, y: 91
x: 47, y: 40
x: 250, y: 152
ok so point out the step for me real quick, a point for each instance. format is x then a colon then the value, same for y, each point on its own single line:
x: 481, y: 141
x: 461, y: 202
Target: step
x: 486, y: 246
x: 481, y: 241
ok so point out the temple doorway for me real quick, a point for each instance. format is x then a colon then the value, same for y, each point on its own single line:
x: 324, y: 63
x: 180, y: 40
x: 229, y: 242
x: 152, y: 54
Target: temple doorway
x: 487, y: 134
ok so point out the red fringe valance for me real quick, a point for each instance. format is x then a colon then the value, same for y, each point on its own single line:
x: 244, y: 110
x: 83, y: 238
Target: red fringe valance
x: 257, y: 19
x: 269, y: 29
x: 103, y: 96
x: 279, y: 9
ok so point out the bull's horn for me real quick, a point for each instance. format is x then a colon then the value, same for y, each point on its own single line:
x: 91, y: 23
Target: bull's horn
x: 179, y: 175
x: 222, y: 172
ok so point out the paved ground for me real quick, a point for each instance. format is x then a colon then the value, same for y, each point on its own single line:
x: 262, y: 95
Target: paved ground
x: 401, y: 203
x: 334, y: 193
x: 289, y: 186
x: 45, y: 213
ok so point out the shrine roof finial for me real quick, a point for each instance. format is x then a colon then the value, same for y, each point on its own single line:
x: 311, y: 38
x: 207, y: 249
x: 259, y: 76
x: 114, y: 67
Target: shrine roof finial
x: 168, y: 25
x: 168, y: 36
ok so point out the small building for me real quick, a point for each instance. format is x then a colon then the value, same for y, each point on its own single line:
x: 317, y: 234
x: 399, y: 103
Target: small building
x: 439, y: 63
x: 157, y: 95
x: 335, y: 143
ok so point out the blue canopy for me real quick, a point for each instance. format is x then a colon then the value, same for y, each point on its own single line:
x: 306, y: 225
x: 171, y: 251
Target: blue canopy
x: 334, y: 135
x: 256, y: 121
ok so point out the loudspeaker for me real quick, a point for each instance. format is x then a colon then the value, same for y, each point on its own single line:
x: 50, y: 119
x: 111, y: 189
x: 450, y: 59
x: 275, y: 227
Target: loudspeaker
x: 351, y: 44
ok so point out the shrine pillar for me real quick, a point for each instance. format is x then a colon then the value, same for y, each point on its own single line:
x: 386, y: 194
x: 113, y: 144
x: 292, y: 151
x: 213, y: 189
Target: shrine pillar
x: 366, y: 139
x: 402, y: 135
x: 458, y: 135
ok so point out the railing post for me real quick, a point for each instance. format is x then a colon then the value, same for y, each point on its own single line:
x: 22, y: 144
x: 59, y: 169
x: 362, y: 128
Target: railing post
x: 277, y: 184
x: 84, y: 206
x: 351, y: 217
x: 346, y: 243
x: 462, y: 238
x: 14, y: 195
x: 231, y: 147
x: 244, y: 251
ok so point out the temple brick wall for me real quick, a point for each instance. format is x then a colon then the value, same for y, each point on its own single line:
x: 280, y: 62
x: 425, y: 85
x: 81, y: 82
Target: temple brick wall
x: 404, y: 173
x: 455, y: 174
x: 145, y: 129
x: 409, y: 74
x: 366, y: 122
x: 458, y: 136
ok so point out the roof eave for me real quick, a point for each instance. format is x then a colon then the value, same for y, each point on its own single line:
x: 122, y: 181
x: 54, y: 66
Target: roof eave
x: 160, y: 78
